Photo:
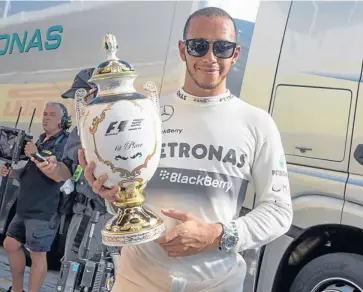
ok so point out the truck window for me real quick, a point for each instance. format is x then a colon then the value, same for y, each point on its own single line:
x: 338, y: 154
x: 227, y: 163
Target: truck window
x: 313, y: 121
x: 244, y: 15
x: 235, y: 75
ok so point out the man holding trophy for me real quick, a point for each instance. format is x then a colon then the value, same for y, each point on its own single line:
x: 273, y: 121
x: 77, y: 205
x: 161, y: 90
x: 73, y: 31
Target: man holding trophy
x: 188, y: 235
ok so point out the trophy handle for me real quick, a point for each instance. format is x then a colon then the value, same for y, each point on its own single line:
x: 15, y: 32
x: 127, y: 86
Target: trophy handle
x: 81, y: 104
x: 152, y: 90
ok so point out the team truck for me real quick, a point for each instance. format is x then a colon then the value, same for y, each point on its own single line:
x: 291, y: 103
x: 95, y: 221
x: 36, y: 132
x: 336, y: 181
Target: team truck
x: 305, y: 68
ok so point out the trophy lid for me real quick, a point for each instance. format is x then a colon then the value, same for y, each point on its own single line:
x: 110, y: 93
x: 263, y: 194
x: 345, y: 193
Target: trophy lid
x: 112, y: 67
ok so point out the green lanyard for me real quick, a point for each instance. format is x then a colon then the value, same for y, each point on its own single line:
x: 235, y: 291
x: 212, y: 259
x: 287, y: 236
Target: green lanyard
x: 77, y: 173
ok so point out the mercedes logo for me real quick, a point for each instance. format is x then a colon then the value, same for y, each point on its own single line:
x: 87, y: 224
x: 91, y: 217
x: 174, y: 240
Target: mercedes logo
x: 167, y: 112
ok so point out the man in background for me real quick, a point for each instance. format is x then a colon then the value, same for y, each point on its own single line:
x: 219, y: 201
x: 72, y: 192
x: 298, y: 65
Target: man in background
x: 36, y: 220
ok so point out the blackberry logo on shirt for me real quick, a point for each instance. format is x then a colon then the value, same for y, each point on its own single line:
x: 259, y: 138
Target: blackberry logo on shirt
x: 199, y: 180
x: 201, y: 151
x: 164, y: 174
x: 172, y: 131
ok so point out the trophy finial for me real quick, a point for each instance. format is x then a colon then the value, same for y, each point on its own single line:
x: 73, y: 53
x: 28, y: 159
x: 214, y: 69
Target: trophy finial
x: 113, y: 68
x: 110, y: 46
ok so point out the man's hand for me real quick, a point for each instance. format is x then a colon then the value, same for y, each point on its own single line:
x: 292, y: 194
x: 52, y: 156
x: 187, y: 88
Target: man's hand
x: 48, y: 166
x: 97, y: 184
x: 190, y: 237
x: 30, y: 148
x: 4, y: 171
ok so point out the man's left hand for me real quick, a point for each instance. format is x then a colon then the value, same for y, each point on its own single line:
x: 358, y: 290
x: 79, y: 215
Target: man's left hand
x: 30, y: 148
x: 190, y: 237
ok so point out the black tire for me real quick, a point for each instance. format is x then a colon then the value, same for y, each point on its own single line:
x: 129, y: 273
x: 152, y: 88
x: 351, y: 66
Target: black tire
x: 336, y: 265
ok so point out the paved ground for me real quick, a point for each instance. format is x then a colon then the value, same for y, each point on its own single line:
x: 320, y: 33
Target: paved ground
x: 5, y: 276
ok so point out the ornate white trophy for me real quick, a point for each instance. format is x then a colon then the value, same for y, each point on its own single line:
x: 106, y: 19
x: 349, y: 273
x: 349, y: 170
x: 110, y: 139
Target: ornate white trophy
x: 120, y: 131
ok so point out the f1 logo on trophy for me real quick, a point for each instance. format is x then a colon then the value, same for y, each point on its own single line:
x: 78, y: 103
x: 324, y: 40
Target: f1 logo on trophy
x: 120, y: 131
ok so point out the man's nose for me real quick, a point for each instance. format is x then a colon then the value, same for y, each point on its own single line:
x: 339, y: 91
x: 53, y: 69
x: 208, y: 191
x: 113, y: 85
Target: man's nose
x: 210, y: 54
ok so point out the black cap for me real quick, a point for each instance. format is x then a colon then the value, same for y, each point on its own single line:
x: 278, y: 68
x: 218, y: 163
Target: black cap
x: 80, y: 81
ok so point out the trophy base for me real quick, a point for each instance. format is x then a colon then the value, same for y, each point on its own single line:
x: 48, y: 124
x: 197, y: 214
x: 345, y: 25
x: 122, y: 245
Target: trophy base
x: 132, y: 226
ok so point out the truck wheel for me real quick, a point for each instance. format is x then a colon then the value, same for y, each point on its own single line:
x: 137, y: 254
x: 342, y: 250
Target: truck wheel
x: 336, y: 272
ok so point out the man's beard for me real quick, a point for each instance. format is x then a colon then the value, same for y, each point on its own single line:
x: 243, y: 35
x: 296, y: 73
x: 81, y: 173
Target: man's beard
x: 201, y: 85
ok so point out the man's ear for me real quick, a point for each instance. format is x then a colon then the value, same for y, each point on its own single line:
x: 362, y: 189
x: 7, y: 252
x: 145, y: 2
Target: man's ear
x: 181, y: 46
x: 236, y: 53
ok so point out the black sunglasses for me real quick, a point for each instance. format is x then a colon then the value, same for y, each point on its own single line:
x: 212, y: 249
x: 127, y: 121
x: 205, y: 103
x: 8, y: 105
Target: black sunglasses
x: 200, y: 47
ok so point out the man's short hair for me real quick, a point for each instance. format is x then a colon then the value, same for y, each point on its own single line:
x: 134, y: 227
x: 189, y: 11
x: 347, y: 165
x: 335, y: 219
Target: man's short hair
x: 63, y: 112
x: 209, y: 12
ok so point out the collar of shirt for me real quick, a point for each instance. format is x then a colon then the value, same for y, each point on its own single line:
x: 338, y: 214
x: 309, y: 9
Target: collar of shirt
x: 42, y: 137
x: 43, y: 144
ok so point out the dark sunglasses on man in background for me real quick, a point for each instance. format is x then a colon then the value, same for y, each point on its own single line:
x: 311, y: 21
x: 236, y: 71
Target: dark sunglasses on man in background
x: 200, y: 47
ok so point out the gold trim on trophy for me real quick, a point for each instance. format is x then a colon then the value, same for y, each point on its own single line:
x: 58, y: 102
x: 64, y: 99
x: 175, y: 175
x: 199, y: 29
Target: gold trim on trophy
x: 97, y: 120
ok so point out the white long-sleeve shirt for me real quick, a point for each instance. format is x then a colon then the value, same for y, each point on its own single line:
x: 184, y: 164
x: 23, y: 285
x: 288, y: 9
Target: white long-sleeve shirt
x: 211, y: 149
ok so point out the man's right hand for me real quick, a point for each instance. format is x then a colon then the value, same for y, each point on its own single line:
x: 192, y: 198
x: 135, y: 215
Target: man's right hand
x: 97, y: 184
x: 47, y: 167
x: 4, y: 171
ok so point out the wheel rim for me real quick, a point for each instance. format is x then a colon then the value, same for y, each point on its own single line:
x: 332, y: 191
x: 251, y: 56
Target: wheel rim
x: 337, y: 285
